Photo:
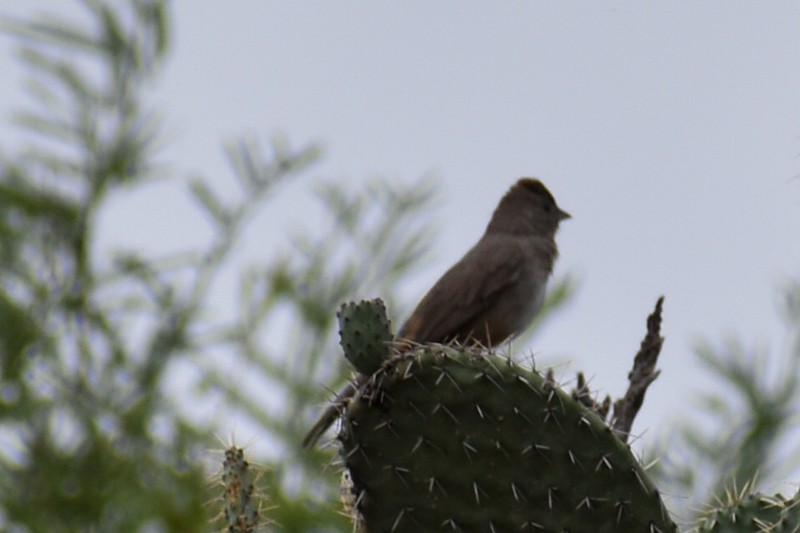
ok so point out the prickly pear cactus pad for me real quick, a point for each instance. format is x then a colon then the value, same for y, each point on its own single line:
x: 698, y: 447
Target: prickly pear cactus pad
x: 446, y: 439
x: 753, y: 513
x: 365, y: 334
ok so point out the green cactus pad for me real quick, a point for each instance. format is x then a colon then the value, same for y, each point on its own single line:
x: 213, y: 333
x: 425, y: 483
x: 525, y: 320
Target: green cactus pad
x: 365, y: 334
x: 754, y: 513
x: 452, y: 439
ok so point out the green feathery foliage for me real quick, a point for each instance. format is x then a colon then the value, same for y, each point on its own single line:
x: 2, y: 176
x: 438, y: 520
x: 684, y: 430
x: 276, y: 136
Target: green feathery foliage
x: 94, y: 438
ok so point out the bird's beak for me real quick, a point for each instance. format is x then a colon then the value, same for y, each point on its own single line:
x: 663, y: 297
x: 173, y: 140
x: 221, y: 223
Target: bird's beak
x: 563, y: 215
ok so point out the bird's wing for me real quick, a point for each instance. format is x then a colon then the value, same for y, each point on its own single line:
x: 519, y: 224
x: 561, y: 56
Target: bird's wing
x: 464, y: 291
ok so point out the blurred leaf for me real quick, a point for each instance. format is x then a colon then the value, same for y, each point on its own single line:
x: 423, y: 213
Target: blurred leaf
x: 19, y: 330
x: 208, y: 200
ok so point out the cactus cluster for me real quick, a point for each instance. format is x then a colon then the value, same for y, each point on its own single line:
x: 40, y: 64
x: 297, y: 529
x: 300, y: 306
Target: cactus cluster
x: 454, y: 438
x: 752, y: 513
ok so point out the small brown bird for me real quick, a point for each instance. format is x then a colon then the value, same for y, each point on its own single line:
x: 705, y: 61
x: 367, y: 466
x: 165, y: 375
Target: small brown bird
x: 493, y: 293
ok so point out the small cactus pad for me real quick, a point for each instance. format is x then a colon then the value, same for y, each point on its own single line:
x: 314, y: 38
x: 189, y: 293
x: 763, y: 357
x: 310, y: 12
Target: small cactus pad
x: 365, y: 334
x: 754, y: 513
x: 453, y: 439
x: 241, y: 507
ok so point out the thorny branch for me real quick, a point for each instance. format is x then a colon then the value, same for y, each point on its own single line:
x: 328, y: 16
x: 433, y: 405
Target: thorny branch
x: 641, y: 376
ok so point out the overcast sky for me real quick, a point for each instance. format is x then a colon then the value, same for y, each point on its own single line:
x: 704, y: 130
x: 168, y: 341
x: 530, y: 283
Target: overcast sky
x: 670, y: 131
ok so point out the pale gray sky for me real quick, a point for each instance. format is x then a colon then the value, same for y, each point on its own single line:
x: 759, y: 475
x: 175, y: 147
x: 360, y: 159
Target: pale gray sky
x: 670, y: 131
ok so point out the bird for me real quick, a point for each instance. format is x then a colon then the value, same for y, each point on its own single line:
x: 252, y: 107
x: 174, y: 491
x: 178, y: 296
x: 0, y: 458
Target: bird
x: 492, y: 294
